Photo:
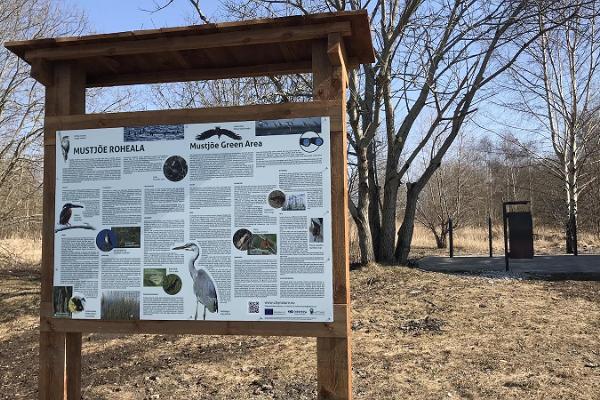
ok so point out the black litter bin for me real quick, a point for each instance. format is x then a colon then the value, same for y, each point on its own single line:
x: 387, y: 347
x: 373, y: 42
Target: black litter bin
x: 518, y: 232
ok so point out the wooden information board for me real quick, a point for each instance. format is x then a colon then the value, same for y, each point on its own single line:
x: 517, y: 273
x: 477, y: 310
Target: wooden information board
x: 326, y: 45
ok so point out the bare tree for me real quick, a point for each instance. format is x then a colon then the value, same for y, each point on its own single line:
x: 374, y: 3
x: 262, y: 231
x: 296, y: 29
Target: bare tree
x: 21, y: 108
x: 434, y: 61
x: 558, y: 87
x: 454, y: 192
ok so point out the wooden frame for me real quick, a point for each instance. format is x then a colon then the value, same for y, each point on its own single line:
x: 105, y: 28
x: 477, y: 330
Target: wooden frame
x: 65, y: 67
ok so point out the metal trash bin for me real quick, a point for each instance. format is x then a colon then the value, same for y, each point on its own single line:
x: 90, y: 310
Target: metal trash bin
x: 518, y: 232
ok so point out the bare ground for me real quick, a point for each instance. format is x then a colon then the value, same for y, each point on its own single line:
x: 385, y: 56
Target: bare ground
x: 417, y: 335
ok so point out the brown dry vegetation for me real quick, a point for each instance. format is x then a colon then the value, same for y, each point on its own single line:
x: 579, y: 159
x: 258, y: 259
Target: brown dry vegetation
x: 474, y: 241
x: 417, y: 335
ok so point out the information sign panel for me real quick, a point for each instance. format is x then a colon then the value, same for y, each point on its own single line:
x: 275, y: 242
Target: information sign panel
x: 221, y: 221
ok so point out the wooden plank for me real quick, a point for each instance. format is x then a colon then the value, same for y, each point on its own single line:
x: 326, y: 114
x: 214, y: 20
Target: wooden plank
x: 199, y: 74
x: 66, y: 95
x: 338, y: 328
x: 181, y: 60
x: 359, y: 45
x: 42, y: 72
x: 196, y: 115
x: 336, y: 51
x: 329, y: 84
x: 73, y: 365
x: 168, y: 44
x: 51, y: 385
x: 334, y: 366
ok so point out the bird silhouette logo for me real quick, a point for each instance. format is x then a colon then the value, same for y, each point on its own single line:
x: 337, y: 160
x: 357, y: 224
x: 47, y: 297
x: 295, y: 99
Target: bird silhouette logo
x: 218, y: 131
x: 65, y: 145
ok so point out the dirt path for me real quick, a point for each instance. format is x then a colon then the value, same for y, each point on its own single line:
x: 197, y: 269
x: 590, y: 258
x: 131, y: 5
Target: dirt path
x: 418, y: 335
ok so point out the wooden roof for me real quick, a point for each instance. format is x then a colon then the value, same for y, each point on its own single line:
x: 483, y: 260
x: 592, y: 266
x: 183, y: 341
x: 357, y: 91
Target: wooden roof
x: 211, y: 51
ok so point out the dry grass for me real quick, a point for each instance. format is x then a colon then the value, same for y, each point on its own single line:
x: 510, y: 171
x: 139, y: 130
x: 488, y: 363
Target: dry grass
x: 19, y: 250
x: 417, y: 335
x: 474, y: 241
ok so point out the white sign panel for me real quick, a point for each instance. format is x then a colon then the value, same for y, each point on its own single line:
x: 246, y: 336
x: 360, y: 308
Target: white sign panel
x: 219, y: 221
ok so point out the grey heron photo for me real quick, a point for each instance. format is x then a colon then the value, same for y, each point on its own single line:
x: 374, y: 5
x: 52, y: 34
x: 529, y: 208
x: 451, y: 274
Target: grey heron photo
x: 204, y: 286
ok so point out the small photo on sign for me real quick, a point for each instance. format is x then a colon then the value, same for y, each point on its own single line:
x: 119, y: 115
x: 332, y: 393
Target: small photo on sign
x: 120, y: 305
x: 77, y: 304
x: 175, y: 168
x: 154, y: 277
x: 291, y: 126
x: 295, y: 202
x: 276, y: 199
x: 153, y: 132
x: 106, y: 240
x: 263, y: 244
x: 60, y: 298
x: 172, y: 284
x: 242, y: 239
x: 127, y: 237
x: 316, y: 230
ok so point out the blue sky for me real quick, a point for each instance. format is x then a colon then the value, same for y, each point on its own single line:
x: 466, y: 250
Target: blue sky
x: 123, y: 15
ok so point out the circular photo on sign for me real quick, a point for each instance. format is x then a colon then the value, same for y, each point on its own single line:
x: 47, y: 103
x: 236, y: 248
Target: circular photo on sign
x: 276, y: 199
x: 310, y: 141
x: 171, y: 284
x: 175, y: 168
x: 106, y: 240
x: 242, y: 239
x: 76, y: 304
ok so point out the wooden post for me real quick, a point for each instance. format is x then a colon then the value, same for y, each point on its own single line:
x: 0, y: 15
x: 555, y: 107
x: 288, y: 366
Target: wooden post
x: 490, y: 238
x: 60, y: 353
x: 334, y: 362
x: 451, y: 237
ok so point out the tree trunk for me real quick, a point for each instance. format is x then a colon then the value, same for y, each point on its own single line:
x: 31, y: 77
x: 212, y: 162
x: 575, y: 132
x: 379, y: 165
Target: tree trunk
x: 364, y: 240
x: 441, y: 240
x: 572, y: 199
x: 388, y: 216
x: 571, y: 225
x: 374, y: 202
x: 405, y: 233
x: 360, y: 213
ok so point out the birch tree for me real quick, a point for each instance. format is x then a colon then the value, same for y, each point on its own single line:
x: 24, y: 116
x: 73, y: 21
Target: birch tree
x: 558, y: 88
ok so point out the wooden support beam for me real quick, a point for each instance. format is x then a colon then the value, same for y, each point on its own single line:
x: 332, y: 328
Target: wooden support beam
x: 334, y: 362
x: 196, y: 115
x: 211, y: 41
x: 199, y: 74
x: 336, y: 51
x: 42, y: 72
x: 60, y: 353
x: 338, y: 328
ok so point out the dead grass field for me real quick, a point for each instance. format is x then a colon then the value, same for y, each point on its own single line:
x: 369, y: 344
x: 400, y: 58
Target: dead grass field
x: 474, y: 241
x: 417, y: 335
